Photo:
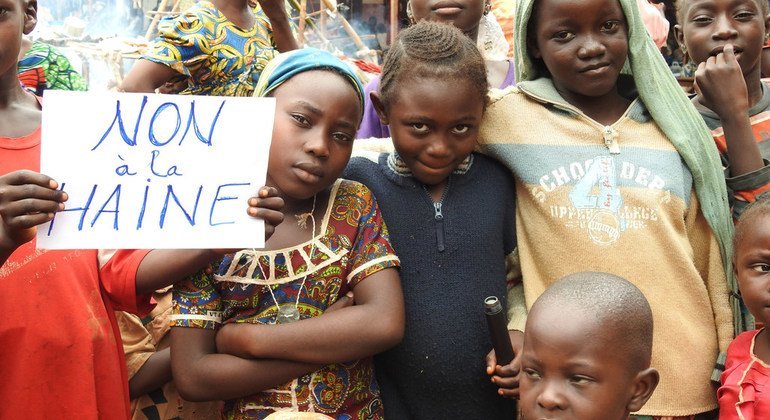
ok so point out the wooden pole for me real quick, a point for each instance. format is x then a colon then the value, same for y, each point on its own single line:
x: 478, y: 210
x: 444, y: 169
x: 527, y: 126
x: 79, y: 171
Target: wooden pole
x: 345, y: 24
x: 155, y: 19
x: 393, y: 21
x: 302, y: 17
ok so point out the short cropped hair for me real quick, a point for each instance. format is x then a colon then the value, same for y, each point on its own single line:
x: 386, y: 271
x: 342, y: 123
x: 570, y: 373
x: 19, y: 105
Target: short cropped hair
x: 761, y: 207
x: 431, y: 49
x: 615, y: 304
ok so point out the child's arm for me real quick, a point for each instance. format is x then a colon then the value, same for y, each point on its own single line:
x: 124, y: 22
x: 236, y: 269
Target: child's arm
x: 708, y: 261
x: 146, y: 76
x: 283, y: 38
x: 27, y: 199
x: 153, y: 374
x: 374, y: 324
x: 163, y: 267
x: 721, y: 87
x: 201, y: 374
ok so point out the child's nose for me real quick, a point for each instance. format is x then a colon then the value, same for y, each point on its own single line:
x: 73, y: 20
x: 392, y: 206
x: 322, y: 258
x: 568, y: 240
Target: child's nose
x: 591, y: 48
x: 551, y: 398
x: 317, y: 145
x: 439, y: 147
x: 724, y: 28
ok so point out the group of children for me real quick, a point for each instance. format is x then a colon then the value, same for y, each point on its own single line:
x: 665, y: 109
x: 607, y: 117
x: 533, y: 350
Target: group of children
x: 590, y: 197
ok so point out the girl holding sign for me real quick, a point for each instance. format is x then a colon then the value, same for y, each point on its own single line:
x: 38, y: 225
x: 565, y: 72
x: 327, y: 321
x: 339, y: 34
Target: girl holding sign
x: 280, y: 318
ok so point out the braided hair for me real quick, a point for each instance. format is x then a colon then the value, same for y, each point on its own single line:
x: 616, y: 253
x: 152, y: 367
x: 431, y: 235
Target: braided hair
x: 432, y: 50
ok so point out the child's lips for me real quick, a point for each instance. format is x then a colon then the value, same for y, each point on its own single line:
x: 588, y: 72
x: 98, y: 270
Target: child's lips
x: 446, y: 8
x: 595, y: 69
x: 309, y: 172
x: 720, y: 49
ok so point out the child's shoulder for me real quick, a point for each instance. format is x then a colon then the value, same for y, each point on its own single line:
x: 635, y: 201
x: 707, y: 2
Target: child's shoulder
x: 742, y: 343
x: 492, y: 173
x: 506, y: 94
x: 199, y: 17
x: 346, y: 189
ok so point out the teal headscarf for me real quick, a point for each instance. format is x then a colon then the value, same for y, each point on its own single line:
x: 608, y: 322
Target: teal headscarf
x: 676, y: 117
x: 289, y: 64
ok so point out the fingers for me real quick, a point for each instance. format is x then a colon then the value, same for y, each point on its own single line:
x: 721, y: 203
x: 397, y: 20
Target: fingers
x: 491, y: 362
x: 267, y: 205
x: 728, y: 53
x: 24, y: 177
x: 343, y: 302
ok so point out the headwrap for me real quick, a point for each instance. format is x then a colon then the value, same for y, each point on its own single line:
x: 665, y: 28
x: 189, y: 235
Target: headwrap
x: 289, y: 64
x: 677, y: 118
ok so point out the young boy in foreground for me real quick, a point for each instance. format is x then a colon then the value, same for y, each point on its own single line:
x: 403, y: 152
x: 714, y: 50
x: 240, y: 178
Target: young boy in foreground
x: 587, y: 350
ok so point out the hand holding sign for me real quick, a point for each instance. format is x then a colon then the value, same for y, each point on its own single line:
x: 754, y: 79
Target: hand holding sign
x: 27, y: 199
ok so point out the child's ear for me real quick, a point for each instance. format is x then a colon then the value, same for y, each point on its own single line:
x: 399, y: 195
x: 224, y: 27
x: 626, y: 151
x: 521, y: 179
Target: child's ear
x: 533, y: 49
x: 644, y: 384
x: 30, y: 16
x: 379, y: 107
x: 767, y: 28
x: 679, y: 34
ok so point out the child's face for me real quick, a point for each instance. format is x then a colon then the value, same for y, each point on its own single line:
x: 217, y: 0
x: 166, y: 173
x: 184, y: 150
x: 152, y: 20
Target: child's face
x: 434, y: 124
x: 571, y: 369
x: 583, y: 44
x: 316, y: 118
x: 463, y: 14
x: 707, y: 25
x: 17, y: 17
x: 752, y: 267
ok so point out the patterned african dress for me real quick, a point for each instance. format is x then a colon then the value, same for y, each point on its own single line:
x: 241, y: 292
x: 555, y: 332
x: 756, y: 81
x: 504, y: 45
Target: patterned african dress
x: 248, y: 287
x: 219, y: 58
x: 44, y: 67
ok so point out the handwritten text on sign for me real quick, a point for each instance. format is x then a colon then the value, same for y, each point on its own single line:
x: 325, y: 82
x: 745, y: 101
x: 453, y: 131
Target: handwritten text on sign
x: 154, y: 171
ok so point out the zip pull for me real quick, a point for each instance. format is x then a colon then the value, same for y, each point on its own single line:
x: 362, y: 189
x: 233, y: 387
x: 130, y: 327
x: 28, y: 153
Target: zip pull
x: 437, y: 207
x: 611, y: 140
x: 439, y: 216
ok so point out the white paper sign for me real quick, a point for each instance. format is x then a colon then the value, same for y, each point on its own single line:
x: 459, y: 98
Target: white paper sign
x: 154, y: 171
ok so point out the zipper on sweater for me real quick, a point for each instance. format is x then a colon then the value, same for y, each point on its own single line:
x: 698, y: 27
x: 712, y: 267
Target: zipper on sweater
x: 438, y: 216
x: 609, y: 132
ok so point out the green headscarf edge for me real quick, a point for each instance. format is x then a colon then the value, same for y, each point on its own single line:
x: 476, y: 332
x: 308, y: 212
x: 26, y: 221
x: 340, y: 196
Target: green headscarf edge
x: 677, y: 118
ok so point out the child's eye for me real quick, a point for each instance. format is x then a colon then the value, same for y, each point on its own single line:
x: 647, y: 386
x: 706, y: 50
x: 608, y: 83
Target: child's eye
x: 762, y: 268
x: 610, y: 26
x: 343, y: 137
x: 532, y: 373
x: 563, y: 36
x: 419, y: 127
x: 744, y: 16
x: 300, y: 119
x: 702, y: 19
x: 461, y: 129
x: 580, y: 380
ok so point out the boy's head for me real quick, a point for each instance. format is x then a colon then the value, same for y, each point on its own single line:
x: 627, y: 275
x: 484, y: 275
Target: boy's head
x: 17, y: 17
x: 433, y: 92
x: 751, y: 258
x: 587, y: 350
x: 706, y: 26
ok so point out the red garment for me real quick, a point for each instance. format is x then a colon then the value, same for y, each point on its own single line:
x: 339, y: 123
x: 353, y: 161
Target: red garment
x: 744, y: 393
x: 60, y: 351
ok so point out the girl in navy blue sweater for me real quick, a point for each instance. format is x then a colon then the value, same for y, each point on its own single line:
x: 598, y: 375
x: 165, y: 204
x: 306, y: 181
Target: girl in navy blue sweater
x: 452, y: 224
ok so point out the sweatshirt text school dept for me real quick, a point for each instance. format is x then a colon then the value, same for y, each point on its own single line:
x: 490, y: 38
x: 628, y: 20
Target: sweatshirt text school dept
x: 616, y: 199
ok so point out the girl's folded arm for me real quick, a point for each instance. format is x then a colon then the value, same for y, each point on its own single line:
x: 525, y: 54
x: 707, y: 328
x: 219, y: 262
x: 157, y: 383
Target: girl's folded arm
x: 374, y: 324
x: 201, y: 374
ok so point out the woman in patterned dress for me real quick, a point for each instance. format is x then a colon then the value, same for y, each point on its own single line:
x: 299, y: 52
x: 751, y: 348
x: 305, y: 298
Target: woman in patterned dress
x: 220, y: 46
